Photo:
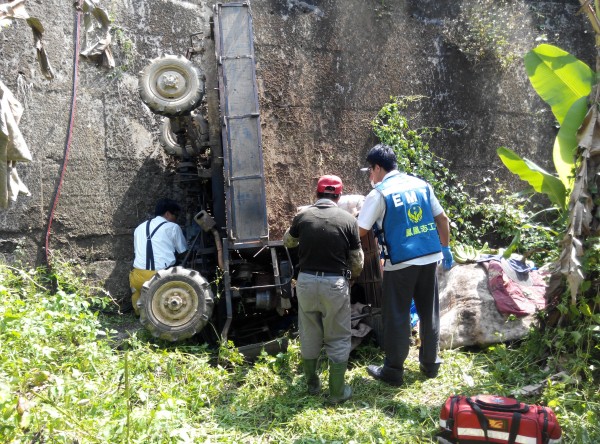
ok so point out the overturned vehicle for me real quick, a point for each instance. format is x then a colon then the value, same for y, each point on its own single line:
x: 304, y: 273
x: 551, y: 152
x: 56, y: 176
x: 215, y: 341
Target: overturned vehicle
x: 235, y: 283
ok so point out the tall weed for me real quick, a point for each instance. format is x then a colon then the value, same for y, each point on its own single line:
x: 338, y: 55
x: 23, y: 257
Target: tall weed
x: 65, y: 378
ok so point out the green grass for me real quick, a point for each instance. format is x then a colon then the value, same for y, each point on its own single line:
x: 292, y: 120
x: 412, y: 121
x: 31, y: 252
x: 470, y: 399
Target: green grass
x: 64, y: 378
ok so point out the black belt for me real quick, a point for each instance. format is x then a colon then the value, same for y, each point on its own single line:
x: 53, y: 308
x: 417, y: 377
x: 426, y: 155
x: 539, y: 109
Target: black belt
x: 323, y: 273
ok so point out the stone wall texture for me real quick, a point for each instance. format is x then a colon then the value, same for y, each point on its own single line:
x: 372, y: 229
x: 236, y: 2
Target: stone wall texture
x: 324, y: 68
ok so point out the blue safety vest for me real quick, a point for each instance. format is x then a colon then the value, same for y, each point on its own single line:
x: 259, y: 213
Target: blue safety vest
x: 408, y: 224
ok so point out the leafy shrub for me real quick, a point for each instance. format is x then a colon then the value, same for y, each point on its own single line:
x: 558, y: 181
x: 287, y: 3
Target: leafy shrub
x: 496, y: 218
x: 49, y: 350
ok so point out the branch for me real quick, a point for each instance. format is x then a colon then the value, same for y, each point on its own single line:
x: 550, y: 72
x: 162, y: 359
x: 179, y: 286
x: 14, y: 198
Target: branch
x: 587, y: 7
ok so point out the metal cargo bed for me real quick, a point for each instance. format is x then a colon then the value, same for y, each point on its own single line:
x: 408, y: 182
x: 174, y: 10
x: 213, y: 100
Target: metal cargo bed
x: 246, y: 208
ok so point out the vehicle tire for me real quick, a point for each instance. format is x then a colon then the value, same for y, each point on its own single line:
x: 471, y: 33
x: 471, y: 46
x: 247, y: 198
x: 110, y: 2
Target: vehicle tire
x: 375, y: 321
x: 171, y: 86
x: 200, y: 127
x: 168, y: 140
x: 176, y: 304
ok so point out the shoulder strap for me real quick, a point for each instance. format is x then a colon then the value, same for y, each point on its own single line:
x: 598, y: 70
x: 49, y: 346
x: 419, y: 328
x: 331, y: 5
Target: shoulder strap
x: 514, y: 428
x: 483, y: 421
x: 450, y: 421
x: 149, y: 252
x: 545, y: 435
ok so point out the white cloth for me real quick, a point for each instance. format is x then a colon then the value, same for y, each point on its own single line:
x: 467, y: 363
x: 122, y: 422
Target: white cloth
x: 373, y: 211
x: 167, y: 240
x: 352, y: 203
x: 12, y: 148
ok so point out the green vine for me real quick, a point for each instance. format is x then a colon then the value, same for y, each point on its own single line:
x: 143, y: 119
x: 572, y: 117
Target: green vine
x: 498, y: 217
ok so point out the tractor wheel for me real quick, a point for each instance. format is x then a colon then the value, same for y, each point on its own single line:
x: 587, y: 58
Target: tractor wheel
x: 176, y: 304
x: 171, y: 86
x: 168, y: 139
x: 200, y: 127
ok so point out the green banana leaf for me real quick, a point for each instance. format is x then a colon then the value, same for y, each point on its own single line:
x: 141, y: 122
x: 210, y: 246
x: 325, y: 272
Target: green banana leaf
x: 565, y: 144
x: 514, y: 243
x: 538, y: 178
x: 558, y: 77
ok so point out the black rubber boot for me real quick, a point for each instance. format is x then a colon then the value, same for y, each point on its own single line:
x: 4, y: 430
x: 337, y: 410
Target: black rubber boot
x: 312, y: 379
x: 338, y: 391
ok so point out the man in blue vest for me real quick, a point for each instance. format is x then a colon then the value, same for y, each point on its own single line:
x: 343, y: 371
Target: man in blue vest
x: 414, y: 232
x: 156, y: 243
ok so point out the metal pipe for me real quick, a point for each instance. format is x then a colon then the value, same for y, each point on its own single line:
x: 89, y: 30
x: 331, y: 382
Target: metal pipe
x: 263, y: 287
x: 219, y: 246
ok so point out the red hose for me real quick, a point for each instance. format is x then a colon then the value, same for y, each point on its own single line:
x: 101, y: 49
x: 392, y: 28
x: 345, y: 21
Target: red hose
x: 69, y: 137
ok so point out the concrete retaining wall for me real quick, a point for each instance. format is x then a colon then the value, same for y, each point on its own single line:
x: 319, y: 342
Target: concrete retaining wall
x: 325, y: 67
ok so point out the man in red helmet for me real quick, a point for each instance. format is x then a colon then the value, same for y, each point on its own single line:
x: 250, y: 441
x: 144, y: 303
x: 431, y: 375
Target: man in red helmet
x: 329, y: 255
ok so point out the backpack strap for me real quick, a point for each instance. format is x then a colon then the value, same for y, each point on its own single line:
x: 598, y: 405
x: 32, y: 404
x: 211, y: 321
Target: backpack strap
x: 514, y: 428
x: 545, y: 436
x: 447, y: 433
x: 149, y: 252
x: 450, y: 421
x: 483, y: 421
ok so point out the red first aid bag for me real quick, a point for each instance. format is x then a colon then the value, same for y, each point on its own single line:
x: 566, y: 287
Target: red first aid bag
x: 496, y: 419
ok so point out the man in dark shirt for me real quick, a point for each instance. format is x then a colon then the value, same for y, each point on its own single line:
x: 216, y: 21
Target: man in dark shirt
x: 329, y: 254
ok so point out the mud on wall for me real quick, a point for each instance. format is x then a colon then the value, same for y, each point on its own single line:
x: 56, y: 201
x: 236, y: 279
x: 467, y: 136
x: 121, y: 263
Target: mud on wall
x: 327, y: 70
x: 324, y: 69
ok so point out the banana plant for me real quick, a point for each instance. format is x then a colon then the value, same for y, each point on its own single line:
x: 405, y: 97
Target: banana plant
x: 569, y: 87
x: 541, y: 180
x: 564, y: 82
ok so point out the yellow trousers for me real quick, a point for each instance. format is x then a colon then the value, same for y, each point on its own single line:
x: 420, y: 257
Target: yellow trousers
x: 137, y: 278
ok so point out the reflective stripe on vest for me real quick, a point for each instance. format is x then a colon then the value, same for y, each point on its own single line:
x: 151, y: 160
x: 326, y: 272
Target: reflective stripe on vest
x: 408, y: 224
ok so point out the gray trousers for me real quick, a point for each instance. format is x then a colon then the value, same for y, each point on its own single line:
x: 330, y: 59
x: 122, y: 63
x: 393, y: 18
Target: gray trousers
x: 400, y: 287
x: 324, y: 316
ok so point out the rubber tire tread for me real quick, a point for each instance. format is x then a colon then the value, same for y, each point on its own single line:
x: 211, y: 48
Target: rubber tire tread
x: 168, y: 140
x: 165, y: 106
x: 200, y: 319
